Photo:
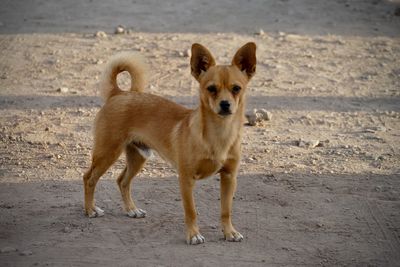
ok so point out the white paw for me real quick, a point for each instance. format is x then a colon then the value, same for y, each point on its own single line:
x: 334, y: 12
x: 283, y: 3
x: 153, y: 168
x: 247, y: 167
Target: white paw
x: 196, y: 240
x: 234, y: 237
x: 137, y: 213
x: 97, y: 212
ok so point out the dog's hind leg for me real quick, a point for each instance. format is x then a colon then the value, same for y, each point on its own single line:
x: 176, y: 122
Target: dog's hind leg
x: 100, y: 164
x: 135, y: 160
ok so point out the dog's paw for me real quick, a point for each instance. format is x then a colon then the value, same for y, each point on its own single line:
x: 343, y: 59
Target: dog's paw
x: 137, y: 213
x: 234, y: 237
x: 96, y: 212
x: 196, y: 240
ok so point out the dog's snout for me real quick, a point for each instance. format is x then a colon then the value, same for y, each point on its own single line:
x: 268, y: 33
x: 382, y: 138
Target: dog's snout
x: 225, y: 105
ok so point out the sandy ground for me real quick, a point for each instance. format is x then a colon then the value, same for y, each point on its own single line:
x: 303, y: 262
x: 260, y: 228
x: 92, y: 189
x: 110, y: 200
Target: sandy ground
x: 337, y: 204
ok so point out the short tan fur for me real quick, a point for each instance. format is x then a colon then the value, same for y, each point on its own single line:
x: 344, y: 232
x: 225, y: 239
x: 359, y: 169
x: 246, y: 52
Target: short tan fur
x: 198, y: 143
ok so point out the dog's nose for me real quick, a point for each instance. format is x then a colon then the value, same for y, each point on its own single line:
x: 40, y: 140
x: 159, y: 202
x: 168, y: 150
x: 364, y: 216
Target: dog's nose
x: 225, y: 105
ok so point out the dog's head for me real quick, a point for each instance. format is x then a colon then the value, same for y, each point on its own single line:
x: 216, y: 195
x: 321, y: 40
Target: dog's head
x: 222, y: 88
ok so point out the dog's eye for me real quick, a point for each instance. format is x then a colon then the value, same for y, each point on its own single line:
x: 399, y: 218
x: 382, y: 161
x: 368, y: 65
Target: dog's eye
x: 236, y: 89
x: 212, y: 89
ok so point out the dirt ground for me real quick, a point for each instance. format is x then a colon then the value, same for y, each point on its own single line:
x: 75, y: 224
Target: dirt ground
x: 328, y: 71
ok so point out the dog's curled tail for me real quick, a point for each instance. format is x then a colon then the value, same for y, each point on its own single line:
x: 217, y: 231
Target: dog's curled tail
x: 131, y: 62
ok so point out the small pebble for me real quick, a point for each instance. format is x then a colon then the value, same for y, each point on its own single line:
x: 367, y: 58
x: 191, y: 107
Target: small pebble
x: 266, y: 115
x: 63, y: 90
x: 101, y: 34
x: 119, y: 29
x: 260, y: 32
x: 252, y: 119
x: 379, y: 128
x: 308, y: 143
x: 397, y: 11
x: 187, y: 53
x: 26, y: 253
x: 67, y: 229
x: 258, y: 116
x: 7, y: 250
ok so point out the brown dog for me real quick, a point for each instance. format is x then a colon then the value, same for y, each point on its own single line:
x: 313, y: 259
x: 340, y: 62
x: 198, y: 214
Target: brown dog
x: 198, y: 143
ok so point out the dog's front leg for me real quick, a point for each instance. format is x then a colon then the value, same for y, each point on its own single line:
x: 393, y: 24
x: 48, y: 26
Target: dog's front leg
x: 228, y: 188
x: 193, y: 236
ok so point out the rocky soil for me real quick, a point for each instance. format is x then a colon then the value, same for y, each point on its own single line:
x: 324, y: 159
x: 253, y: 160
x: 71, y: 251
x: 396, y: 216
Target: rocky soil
x: 319, y: 182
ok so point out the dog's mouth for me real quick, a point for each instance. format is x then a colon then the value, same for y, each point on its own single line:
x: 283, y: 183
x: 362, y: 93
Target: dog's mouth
x: 225, y: 113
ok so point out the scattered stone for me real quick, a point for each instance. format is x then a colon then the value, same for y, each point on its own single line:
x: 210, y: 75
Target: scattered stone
x: 308, y: 143
x: 266, y: 115
x: 63, y: 90
x: 258, y: 116
x: 7, y: 250
x: 6, y: 206
x: 119, y: 29
x: 260, y: 32
x: 67, y: 229
x: 397, y: 11
x: 375, y: 129
x: 324, y: 143
x: 253, y: 119
x: 376, y: 164
x: 251, y: 160
x: 188, y: 53
x: 26, y: 253
x: 100, y: 34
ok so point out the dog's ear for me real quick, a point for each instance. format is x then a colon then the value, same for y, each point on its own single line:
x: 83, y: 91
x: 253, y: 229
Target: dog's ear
x: 245, y: 59
x: 201, y: 60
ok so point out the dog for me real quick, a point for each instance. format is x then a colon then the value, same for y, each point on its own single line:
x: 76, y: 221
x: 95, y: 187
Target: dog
x: 198, y: 143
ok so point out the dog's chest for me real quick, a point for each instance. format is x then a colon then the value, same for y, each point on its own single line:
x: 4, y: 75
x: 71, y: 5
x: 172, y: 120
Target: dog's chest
x: 207, y: 167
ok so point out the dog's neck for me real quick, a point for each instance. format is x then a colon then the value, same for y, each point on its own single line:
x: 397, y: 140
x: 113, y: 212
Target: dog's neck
x: 218, y: 132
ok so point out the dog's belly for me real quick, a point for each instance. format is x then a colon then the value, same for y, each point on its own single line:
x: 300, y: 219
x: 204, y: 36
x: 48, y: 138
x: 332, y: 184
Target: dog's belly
x: 206, y: 168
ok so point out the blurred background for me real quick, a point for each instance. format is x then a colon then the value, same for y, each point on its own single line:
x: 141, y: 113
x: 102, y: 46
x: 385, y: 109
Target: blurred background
x: 347, y: 17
